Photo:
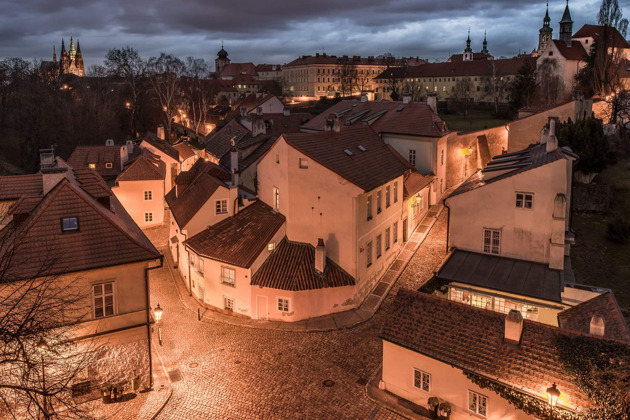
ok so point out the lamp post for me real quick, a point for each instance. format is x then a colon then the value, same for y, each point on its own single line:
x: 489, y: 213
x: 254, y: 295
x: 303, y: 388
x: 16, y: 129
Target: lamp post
x: 42, y: 346
x: 157, y: 312
x: 552, y: 396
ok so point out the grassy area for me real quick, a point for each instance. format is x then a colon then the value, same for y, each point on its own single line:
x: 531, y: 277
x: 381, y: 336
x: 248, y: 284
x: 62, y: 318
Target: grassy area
x: 477, y: 120
x: 596, y: 260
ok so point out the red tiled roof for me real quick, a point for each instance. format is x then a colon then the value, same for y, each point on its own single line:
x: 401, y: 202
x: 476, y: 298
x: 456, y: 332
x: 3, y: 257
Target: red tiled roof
x: 238, y: 240
x: 578, y: 318
x: 107, y: 236
x: 476, y: 56
x: 220, y: 142
x: 185, y: 152
x: 161, y: 145
x: 82, y: 156
x: 234, y: 69
x: 324, y: 59
x: 575, y: 52
x: 14, y: 187
x: 414, y: 118
x: 143, y: 169
x: 472, y: 339
x: 367, y: 169
x: 415, y: 182
x: 595, y: 31
x: 503, y: 67
x: 291, y: 267
x: 268, y: 67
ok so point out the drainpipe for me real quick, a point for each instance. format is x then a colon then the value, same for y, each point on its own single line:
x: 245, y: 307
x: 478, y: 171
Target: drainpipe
x: 189, y: 277
x: 148, y: 310
x: 448, y: 222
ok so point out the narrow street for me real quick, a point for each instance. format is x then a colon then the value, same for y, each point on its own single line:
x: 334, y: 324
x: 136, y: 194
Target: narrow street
x: 230, y: 372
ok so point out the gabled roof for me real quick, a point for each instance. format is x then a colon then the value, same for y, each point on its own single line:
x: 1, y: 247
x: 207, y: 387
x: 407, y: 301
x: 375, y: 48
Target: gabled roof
x: 524, y: 278
x: 238, y: 240
x: 513, y: 164
x: 268, y: 67
x: 575, y: 52
x: 14, y: 187
x: 83, y: 156
x: 107, y: 235
x: 340, y: 152
x: 144, y: 169
x: 291, y: 267
x: 234, y: 69
x: 414, y: 181
x: 184, y: 150
x: 414, y: 118
x: 476, y: 56
x: 578, y: 318
x: 220, y: 142
x: 595, y: 31
x: 161, y: 145
x: 472, y: 339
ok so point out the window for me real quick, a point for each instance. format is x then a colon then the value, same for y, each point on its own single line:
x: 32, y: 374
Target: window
x: 412, y: 156
x: 220, y: 207
x: 103, y: 299
x: 379, y: 201
x: 148, y: 217
x: 92, y: 165
x: 387, y: 196
x: 283, y: 305
x: 524, y: 200
x: 148, y: 195
x: 421, y: 380
x: 477, y: 403
x: 199, y: 265
x: 387, y: 233
x: 276, y: 198
x: 441, y: 186
x: 368, y: 249
x: 395, y: 232
x: 442, y: 157
x: 69, y: 224
x: 396, y: 192
x: 303, y: 163
x: 228, y: 303
x: 491, y: 241
x: 369, y: 207
x: 228, y: 276
x: 270, y: 246
x: 109, y: 165
x: 379, y: 240
x: 550, y: 53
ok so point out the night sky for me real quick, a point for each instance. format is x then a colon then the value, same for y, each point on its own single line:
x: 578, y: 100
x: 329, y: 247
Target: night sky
x: 278, y: 31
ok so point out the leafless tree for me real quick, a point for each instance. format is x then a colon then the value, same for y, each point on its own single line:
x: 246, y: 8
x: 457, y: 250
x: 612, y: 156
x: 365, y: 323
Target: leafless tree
x: 198, y: 91
x: 548, y: 83
x: 164, y: 75
x: 462, y: 94
x: 495, y: 86
x: 347, y: 73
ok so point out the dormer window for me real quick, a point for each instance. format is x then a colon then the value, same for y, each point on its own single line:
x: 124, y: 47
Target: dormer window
x: 92, y: 165
x: 109, y: 165
x: 69, y: 224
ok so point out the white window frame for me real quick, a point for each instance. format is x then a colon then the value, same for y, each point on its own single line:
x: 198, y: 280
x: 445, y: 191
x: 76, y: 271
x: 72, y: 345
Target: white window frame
x: 395, y: 229
x: 109, y: 165
x: 421, y: 375
x: 148, y: 217
x: 490, y: 236
x: 227, y: 279
x: 283, y: 304
x: 474, y: 403
x: 521, y: 203
x: 271, y: 246
x: 220, y: 206
x: 276, y: 198
x: 228, y: 299
x: 412, y: 156
x: 102, y: 297
x: 148, y: 195
x: 73, y: 228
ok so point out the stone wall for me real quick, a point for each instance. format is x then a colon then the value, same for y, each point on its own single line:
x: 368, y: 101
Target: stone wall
x: 118, y: 363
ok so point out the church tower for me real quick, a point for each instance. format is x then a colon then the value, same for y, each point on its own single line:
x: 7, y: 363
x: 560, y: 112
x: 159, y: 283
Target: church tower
x: 545, y: 33
x: 71, y: 61
x: 79, y: 61
x: 468, y: 52
x: 64, y: 60
x: 566, y: 26
x: 221, y: 61
x: 485, y: 44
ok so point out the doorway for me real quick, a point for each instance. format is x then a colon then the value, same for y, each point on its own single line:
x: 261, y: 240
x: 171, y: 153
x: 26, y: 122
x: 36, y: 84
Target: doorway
x: 261, y: 307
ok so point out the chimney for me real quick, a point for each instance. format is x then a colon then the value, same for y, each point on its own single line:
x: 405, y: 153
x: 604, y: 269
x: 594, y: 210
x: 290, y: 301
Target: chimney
x: 513, y: 327
x: 320, y: 256
x: 597, y: 326
x: 124, y: 156
x: 432, y: 102
x: 333, y: 123
x: 544, y: 135
x: 129, y: 146
x: 160, y: 132
x: 363, y: 97
x: 47, y: 158
x: 259, y: 126
x: 259, y: 110
x: 109, y: 142
x: 286, y: 111
x: 234, y: 165
x: 552, y: 127
x: 407, y: 98
x: 243, y: 111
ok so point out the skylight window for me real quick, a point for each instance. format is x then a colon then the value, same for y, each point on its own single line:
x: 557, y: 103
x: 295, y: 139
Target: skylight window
x: 69, y: 224
x: 361, y: 148
x: 348, y: 152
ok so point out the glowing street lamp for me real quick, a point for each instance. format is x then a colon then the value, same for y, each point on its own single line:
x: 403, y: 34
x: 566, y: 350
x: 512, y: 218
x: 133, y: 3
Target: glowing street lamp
x: 552, y: 395
x: 157, y: 312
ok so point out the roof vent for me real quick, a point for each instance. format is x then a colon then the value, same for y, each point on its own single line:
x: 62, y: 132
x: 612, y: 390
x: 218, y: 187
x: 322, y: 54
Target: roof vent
x: 348, y: 152
x: 513, y: 327
x: 361, y: 148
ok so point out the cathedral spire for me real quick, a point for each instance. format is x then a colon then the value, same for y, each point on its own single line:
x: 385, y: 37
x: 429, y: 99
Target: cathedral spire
x: 63, y: 47
x: 468, y: 49
x: 72, y: 51
x: 566, y: 26
x: 485, y: 44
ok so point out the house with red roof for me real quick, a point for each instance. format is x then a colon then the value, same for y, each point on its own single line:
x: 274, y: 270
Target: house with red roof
x: 108, y: 160
x: 65, y: 224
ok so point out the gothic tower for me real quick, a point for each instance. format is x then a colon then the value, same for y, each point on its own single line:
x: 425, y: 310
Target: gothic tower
x: 545, y: 33
x: 566, y: 26
x: 468, y: 52
x: 222, y: 60
x: 64, y: 60
x: 79, y: 61
x: 71, y: 61
x: 485, y: 44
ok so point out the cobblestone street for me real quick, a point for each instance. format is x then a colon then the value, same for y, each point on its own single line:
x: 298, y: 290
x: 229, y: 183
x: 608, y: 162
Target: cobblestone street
x: 232, y: 372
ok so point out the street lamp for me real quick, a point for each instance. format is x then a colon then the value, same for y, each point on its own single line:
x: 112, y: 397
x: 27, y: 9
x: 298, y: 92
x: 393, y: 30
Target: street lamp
x: 157, y: 312
x: 42, y: 346
x: 552, y: 395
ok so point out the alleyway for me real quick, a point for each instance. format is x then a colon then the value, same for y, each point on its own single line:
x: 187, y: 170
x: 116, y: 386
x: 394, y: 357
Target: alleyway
x: 231, y: 372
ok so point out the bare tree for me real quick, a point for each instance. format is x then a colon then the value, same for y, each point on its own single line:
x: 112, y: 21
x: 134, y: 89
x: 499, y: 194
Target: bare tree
x: 198, y: 94
x: 495, y: 86
x: 462, y: 94
x: 549, y: 84
x: 347, y: 73
x: 164, y: 73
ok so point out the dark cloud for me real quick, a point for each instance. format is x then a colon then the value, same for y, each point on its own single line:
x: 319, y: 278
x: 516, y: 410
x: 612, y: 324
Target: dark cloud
x: 280, y: 30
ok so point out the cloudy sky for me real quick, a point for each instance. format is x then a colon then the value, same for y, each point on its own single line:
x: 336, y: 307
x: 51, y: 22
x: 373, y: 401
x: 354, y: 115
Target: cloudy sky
x: 277, y: 31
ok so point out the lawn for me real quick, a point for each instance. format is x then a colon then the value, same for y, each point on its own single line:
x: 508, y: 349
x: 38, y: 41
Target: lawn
x: 596, y: 260
x: 477, y: 120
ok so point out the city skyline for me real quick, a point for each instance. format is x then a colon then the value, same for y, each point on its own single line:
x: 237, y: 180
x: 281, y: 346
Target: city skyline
x: 262, y: 34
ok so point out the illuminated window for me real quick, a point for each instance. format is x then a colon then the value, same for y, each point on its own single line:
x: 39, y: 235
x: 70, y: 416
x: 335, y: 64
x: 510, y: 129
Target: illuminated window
x: 369, y: 207
x: 491, y: 241
x: 69, y: 224
x: 228, y: 303
x: 412, y: 156
x: 109, y: 165
x: 368, y: 250
x: 379, y: 240
x: 270, y: 246
x: 477, y: 403
x: 421, y: 380
x: 103, y: 299
x: 148, y: 217
x: 220, y: 207
x: 148, y: 195
x: 283, y: 305
x: 524, y: 200
x: 481, y: 301
x: 92, y: 165
x: 396, y: 192
x: 395, y: 232
x: 228, y: 276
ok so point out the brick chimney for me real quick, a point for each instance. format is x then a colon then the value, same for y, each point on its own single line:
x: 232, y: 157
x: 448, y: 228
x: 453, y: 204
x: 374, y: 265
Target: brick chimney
x: 597, y: 326
x: 552, y: 141
x: 513, y: 327
x: 320, y: 256
x: 333, y: 123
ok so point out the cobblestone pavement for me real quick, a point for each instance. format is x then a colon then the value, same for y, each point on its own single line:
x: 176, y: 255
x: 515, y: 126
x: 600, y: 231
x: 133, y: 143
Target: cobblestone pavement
x: 222, y: 371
